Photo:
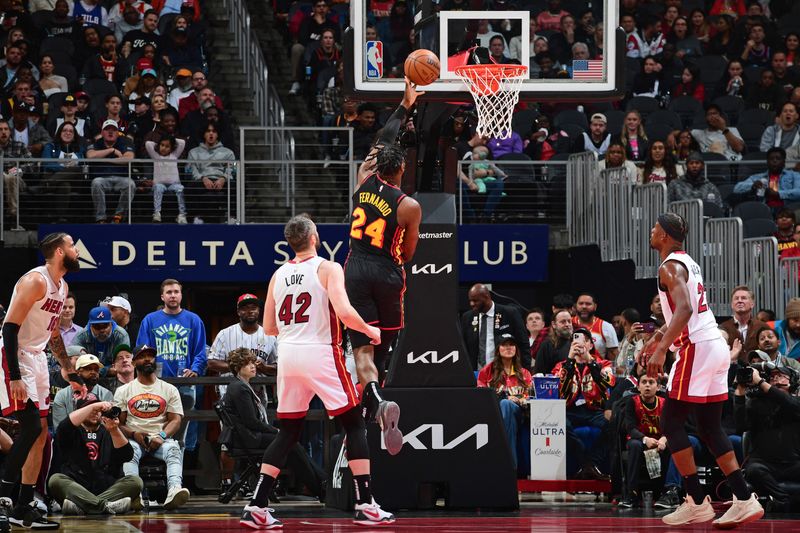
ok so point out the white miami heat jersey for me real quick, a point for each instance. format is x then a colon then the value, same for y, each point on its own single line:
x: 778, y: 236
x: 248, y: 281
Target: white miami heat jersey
x: 702, y: 325
x: 44, y: 316
x: 302, y: 310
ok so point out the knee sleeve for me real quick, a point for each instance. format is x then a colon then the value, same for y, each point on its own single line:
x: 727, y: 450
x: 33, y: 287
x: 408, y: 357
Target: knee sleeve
x: 30, y: 427
x: 381, y: 358
x: 353, y: 423
x: 290, y: 432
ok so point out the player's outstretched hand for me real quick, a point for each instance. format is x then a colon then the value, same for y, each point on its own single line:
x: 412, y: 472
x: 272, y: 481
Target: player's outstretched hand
x: 410, y: 95
x: 374, y: 335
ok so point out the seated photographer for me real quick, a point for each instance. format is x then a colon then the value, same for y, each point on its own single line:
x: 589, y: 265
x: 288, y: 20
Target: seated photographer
x: 585, y: 381
x: 511, y: 381
x: 93, y: 450
x: 769, y: 410
x: 251, y: 428
x: 151, y: 416
x: 88, y: 368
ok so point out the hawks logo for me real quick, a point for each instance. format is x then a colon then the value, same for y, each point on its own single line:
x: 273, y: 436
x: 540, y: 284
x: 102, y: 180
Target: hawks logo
x: 147, y: 405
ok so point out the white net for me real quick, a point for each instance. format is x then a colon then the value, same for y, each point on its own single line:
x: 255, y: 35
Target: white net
x: 495, y: 89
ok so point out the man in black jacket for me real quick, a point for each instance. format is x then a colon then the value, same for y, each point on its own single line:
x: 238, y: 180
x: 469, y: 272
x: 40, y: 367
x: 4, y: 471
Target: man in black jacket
x: 771, y: 416
x: 485, y: 322
x: 93, y: 450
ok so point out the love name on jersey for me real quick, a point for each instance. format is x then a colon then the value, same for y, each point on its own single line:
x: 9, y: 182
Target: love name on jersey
x: 373, y: 199
x: 293, y: 279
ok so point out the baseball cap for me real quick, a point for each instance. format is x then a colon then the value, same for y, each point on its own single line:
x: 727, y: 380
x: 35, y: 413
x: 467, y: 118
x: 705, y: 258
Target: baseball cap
x: 109, y: 123
x: 118, y: 301
x: 70, y: 100
x: 759, y: 354
x: 144, y: 63
x: 505, y: 337
x: 88, y: 400
x: 142, y: 100
x: 149, y: 72
x: 24, y: 107
x: 120, y: 348
x: 599, y: 116
x: 99, y: 315
x: 694, y: 156
x: 183, y: 73
x: 247, y: 298
x: 81, y: 95
x: 87, y: 359
x: 143, y: 349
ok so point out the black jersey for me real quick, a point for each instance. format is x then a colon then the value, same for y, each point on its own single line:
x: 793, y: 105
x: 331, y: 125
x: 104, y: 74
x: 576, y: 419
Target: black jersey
x: 374, y: 229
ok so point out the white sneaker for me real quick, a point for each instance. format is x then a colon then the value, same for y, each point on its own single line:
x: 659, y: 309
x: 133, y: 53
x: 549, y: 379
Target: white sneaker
x: 120, y: 506
x: 176, y: 496
x: 295, y: 90
x: 259, y: 518
x: 370, y: 514
x: 69, y: 507
x: 690, y: 513
x: 156, y: 217
x: 181, y: 219
x: 740, y: 512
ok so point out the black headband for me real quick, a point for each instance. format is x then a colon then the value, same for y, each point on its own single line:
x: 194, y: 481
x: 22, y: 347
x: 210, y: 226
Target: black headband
x: 671, y: 228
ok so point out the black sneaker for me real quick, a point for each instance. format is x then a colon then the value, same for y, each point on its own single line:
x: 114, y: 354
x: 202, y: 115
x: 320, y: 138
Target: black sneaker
x: 30, y: 517
x: 670, y: 499
x: 629, y: 502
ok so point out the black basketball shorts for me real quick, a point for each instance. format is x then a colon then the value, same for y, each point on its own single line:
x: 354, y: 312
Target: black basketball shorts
x: 375, y: 288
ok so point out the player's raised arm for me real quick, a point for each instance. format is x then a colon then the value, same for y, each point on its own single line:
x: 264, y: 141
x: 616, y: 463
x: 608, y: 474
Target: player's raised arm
x: 331, y: 277
x: 390, y: 130
x: 270, y: 326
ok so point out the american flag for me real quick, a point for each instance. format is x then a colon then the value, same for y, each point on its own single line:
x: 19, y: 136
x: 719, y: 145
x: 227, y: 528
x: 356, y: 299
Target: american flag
x: 587, y: 69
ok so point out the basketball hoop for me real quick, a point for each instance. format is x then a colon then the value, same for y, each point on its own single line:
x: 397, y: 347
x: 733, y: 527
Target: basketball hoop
x: 495, y: 89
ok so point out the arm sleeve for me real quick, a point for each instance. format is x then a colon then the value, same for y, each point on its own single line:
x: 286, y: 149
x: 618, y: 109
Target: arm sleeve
x: 630, y: 421
x: 392, y: 127
x: 11, y: 349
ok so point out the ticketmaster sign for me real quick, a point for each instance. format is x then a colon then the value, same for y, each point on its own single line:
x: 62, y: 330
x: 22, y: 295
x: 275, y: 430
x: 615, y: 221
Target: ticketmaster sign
x: 252, y: 252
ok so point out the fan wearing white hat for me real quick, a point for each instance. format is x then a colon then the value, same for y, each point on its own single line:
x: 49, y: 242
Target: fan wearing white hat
x: 88, y: 367
x: 121, y: 311
x: 111, y: 176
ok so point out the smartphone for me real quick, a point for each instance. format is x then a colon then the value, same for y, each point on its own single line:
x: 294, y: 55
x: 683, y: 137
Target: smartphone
x: 577, y: 336
x: 648, y: 327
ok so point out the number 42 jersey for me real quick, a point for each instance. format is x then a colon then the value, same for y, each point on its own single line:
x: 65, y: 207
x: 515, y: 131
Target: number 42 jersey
x: 303, y: 312
x: 702, y: 325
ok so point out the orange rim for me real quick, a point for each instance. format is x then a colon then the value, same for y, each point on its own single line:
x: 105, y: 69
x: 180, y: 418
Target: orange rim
x: 473, y: 72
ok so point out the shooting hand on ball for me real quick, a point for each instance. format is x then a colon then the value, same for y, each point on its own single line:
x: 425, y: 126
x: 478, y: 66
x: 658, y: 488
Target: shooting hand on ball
x: 410, y: 95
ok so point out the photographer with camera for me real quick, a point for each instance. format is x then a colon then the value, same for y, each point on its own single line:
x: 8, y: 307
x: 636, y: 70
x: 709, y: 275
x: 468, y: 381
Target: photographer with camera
x: 93, y: 450
x: 767, y: 407
x: 88, y: 367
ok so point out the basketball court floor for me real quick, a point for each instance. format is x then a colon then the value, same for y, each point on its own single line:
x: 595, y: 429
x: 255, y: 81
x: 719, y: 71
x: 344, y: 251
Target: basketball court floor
x: 203, y: 513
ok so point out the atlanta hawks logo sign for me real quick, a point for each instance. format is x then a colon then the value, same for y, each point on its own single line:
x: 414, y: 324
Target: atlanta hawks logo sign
x: 147, y: 406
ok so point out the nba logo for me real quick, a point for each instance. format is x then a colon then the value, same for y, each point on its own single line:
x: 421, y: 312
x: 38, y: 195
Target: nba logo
x: 374, y: 60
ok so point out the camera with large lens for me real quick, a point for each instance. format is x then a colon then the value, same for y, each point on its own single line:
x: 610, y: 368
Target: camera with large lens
x: 114, y: 412
x: 744, y: 375
x: 764, y: 367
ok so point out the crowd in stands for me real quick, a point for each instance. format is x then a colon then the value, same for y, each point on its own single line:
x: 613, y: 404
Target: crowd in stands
x: 716, y: 80
x: 102, y: 79
x: 614, y: 409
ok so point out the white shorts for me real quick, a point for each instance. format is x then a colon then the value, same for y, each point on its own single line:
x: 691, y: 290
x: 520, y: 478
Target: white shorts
x: 35, y: 376
x: 700, y: 373
x: 305, y: 370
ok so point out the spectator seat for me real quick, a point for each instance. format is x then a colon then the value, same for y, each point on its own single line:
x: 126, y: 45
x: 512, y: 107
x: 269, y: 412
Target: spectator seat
x: 633, y: 65
x: 757, y: 116
x: 759, y: 227
x: 752, y: 211
x: 248, y: 462
x: 686, y: 108
x: 752, y: 163
x: 725, y: 190
x: 665, y: 116
x: 573, y: 130
x: 658, y: 131
x: 789, y: 22
x: 711, y: 210
x: 57, y: 46
x: 522, y: 122
x: 571, y: 116
x: 616, y: 119
x: 732, y: 106
x: 645, y: 105
x: 751, y: 135
x: 752, y: 74
x: 717, y: 172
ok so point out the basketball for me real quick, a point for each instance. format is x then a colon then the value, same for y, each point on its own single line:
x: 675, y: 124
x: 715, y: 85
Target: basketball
x: 422, y: 67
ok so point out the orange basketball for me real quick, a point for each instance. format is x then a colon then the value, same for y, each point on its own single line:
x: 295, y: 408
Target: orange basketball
x: 422, y: 67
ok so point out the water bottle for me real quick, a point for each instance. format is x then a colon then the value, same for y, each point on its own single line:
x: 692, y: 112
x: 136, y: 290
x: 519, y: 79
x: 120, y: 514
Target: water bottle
x: 630, y: 362
x: 308, y: 73
x: 181, y: 366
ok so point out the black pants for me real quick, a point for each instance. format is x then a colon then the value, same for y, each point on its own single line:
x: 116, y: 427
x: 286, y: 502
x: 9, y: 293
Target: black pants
x: 306, y: 472
x: 636, y: 451
x: 766, y: 477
